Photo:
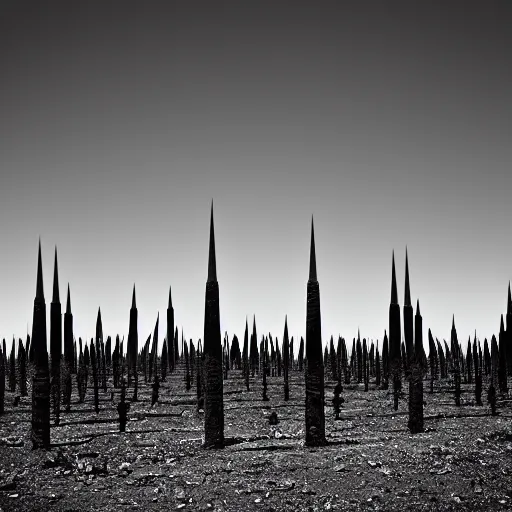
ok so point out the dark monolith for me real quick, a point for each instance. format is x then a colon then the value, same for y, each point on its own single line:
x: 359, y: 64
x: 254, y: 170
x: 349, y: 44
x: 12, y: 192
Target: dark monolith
x: 41, y: 380
x: 214, y: 399
x: 315, y: 398
x: 394, y: 338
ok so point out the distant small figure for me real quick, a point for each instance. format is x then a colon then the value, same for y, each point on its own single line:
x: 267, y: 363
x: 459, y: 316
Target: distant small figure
x: 491, y: 397
x: 272, y: 419
x: 338, y: 400
x: 123, y: 407
x: 156, y: 387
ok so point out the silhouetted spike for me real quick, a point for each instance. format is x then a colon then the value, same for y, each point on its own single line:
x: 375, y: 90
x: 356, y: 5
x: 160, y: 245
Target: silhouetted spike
x: 312, y: 255
x: 68, y: 302
x: 407, y: 297
x: 453, y: 322
x: 56, y: 297
x: 170, y: 299
x: 418, y: 307
x: 134, y: 304
x: 394, y: 292
x: 212, y: 265
x: 502, y: 326
x: 39, y: 286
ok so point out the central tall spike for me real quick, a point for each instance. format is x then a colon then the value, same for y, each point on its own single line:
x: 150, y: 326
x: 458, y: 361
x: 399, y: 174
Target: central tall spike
x: 134, y: 304
x: 394, y: 338
x: 314, y: 375
x: 394, y: 291
x: 213, y: 396
x: 212, y: 265
x: 407, y: 297
x: 68, y: 303
x: 509, y: 303
x: 169, y: 305
x: 312, y: 255
x: 55, y: 297
x: 41, y: 380
x: 99, y: 327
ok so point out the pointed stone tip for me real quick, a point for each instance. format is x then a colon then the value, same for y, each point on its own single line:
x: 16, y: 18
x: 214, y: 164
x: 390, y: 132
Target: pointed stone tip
x: 312, y: 255
x: 68, y: 302
x: 453, y: 322
x: 418, y: 307
x: 407, y: 297
x: 394, y: 291
x: 212, y: 263
x: 134, y: 304
x: 56, y: 296
x: 170, y: 299
x: 502, y: 325
x: 509, y: 305
x: 39, y: 285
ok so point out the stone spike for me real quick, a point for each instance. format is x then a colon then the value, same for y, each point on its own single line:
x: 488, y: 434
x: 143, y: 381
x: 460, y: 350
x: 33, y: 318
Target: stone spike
x: 68, y: 302
x: 394, y: 292
x: 418, y: 307
x: 55, y: 298
x: 170, y: 299
x: 312, y: 256
x: 99, y: 326
x: 407, y: 297
x: 39, y: 286
x: 134, y: 304
x: 453, y: 322
x: 502, y: 326
x: 212, y: 264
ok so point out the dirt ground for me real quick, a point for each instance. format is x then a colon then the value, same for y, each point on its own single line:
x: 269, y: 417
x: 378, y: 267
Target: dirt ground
x: 463, y: 461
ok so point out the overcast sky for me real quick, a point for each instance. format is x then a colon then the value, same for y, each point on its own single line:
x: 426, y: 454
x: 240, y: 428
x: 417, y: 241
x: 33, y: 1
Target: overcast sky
x: 390, y: 123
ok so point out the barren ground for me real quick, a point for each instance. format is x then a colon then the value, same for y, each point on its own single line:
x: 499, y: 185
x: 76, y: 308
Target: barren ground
x: 462, y: 462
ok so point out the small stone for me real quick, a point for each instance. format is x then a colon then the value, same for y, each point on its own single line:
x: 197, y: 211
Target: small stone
x: 13, y: 495
x: 478, y: 490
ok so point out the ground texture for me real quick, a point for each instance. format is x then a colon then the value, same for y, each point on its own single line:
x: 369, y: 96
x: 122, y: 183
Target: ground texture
x: 463, y: 461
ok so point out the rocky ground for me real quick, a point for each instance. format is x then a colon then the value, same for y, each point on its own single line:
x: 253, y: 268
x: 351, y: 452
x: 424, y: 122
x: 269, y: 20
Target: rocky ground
x: 463, y: 461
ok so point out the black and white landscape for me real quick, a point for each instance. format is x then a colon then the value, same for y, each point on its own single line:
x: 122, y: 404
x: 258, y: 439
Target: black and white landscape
x: 255, y: 256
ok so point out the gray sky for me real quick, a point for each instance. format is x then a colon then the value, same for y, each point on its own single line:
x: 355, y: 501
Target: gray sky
x: 391, y: 123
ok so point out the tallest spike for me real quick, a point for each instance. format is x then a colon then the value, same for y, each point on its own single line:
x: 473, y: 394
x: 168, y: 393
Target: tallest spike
x: 56, y: 297
x: 394, y: 292
x: 39, y: 286
x: 134, y: 304
x: 212, y: 265
x: 68, y: 302
x: 170, y: 299
x: 407, y: 297
x: 312, y: 255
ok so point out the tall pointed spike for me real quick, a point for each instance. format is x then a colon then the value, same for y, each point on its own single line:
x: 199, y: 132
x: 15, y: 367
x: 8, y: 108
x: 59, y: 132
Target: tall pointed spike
x: 502, y: 325
x: 134, y: 304
x: 453, y: 322
x: 56, y: 297
x: 170, y: 299
x: 39, y: 286
x: 394, y: 292
x: 418, y: 307
x: 68, y: 302
x: 407, y: 297
x: 312, y: 255
x: 212, y: 264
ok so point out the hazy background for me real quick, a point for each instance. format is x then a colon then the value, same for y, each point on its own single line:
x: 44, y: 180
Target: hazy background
x: 391, y: 123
